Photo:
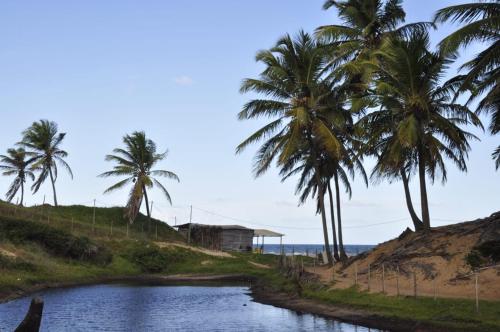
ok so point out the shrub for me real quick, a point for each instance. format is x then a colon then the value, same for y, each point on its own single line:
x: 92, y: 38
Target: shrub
x: 55, y: 241
x: 148, y: 257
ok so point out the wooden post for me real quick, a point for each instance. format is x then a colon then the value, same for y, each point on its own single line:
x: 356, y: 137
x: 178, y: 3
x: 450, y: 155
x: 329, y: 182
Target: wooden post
x: 477, y: 291
x: 369, y: 277
x: 111, y: 230
x: 383, y: 278
x: 355, y: 273
x: 397, y: 280
x: 414, y: 284
x: 435, y: 287
x: 93, y: 219
x: 127, y: 229
x: 72, y: 224
x: 32, y: 320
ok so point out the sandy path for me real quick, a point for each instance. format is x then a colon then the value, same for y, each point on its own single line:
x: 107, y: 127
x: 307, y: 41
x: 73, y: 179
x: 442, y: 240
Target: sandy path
x: 196, y: 249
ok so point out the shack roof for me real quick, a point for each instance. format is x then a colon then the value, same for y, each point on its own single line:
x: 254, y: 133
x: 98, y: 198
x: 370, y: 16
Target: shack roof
x: 195, y: 225
x: 266, y: 233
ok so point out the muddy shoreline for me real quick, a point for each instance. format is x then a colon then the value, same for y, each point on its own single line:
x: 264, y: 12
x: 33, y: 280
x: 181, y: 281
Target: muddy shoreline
x: 259, y: 292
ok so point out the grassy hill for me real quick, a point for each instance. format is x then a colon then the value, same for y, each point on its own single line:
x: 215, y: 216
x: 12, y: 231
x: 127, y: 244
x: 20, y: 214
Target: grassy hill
x: 48, y: 245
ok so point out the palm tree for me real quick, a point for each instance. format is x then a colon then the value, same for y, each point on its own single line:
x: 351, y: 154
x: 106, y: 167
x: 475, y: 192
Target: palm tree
x: 367, y: 24
x: 136, y: 162
x: 419, y: 122
x: 338, y: 170
x: 295, y: 92
x: 482, y: 23
x: 43, y: 142
x: 15, y: 163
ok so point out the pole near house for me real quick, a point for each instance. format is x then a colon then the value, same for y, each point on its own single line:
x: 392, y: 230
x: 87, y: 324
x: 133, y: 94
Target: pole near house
x: 175, y: 221
x: 93, y: 219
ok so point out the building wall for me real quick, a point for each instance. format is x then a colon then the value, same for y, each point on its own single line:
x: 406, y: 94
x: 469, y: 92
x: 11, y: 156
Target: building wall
x: 237, y: 239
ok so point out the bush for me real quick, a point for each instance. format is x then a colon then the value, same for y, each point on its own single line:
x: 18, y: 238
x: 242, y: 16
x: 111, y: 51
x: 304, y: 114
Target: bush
x: 148, y: 257
x: 16, y: 264
x: 490, y: 250
x: 55, y: 241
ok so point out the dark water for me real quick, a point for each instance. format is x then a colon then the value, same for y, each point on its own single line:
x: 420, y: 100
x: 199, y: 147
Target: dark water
x: 162, y: 308
x: 302, y: 249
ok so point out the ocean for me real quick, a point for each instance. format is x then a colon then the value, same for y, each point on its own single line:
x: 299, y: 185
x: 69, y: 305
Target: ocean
x: 310, y: 249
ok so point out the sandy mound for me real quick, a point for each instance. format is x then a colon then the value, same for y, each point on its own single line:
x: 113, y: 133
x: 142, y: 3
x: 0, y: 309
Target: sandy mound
x: 437, y: 260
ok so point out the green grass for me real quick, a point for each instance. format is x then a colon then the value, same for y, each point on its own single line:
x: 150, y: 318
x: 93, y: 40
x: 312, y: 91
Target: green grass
x: 54, y: 252
x: 447, y: 313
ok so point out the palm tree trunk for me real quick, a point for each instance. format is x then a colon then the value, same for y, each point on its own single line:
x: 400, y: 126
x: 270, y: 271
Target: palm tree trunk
x: 147, y: 208
x: 417, y: 223
x: 343, y: 255
x: 22, y: 193
x: 334, y: 233
x: 321, y: 201
x: 423, y: 191
x: 53, y: 186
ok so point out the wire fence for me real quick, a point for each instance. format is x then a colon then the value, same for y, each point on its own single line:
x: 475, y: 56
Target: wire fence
x: 99, y: 220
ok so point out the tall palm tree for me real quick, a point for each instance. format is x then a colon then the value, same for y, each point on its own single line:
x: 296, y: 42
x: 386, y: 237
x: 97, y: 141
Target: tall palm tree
x: 338, y: 170
x: 15, y: 163
x: 422, y: 121
x: 43, y: 144
x: 295, y: 91
x: 481, y: 23
x: 136, y: 162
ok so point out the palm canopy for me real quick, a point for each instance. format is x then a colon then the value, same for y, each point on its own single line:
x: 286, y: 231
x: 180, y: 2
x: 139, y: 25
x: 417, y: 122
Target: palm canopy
x: 366, y: 25
x: 43, y: 144
x: 135, y: 162
x: 293, y: 82
x: 482, y: 23
x: 418, y: 124
x: 15, y: 163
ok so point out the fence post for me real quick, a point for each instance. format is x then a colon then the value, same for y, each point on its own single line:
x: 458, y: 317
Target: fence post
x: 127, y: 229
x: 369, y: 277
x: 414, y: 284
x: 111, y: 228
x: 397, y: 280
x: 93, y: 219
x: 477, y: 290
x: 435, y: 287
x: 383, y: 278
x: 72, y: 224
x: 355, y: 273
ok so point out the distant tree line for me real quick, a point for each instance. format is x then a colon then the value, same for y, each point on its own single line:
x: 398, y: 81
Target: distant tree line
x: 372, y: 86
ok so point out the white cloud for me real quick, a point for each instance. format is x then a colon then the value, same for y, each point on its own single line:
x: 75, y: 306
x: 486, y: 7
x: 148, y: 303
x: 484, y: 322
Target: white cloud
x: 183, y: 80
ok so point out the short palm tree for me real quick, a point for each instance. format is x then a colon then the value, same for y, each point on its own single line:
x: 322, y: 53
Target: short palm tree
x: 43, y: 145
x: 15, y: 163
x: 482, y: 24
x: 296, y: 95
x: 420, y: 121
x: 136, y: 162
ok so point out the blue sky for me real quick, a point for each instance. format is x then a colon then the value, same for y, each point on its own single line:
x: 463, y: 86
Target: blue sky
x: 102, y: 69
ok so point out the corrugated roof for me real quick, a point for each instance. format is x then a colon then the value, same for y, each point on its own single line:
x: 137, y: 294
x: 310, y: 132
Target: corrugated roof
x: 194, y: 225
x: 266, y: 233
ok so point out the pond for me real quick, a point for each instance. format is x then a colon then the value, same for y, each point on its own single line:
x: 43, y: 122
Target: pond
x: 162, y: 308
